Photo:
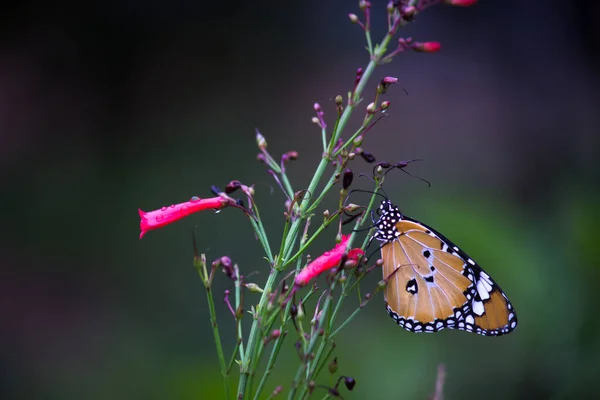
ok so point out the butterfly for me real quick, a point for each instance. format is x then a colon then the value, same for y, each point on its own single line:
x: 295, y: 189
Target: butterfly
x: 432, y: 284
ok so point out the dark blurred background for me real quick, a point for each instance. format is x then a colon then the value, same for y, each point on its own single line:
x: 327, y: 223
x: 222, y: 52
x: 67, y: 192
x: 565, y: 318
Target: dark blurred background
x: 111, y: 106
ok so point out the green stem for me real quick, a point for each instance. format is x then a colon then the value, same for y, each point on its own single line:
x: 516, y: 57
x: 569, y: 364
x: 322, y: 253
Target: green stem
x: 292, y: 234
x: 253, y: 336
x: 311, y: 344
x: 217, y: 336
x: 238, y: 304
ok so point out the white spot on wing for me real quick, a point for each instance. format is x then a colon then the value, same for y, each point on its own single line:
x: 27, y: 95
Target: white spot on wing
x: 483, y: 292
x: 478, y: 308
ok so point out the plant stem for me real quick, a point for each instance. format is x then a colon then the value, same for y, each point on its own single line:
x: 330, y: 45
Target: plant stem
x: 254, y: 331
x: 292, y: 234
x: 238, y: 303
x: 217, y: 336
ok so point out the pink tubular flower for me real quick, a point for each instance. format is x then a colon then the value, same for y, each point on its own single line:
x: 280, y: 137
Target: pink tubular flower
x: 327, y: 260
x: 461, y: 3
x: 427, y: 47
x: 166, y: 215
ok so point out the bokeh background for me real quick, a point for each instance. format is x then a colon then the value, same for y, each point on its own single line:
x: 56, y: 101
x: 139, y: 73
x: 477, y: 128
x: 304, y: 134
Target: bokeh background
x: 111, y: 106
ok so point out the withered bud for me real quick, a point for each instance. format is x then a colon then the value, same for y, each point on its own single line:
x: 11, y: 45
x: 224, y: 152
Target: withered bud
x: 342, y: 279
x: 321, y: 332
x: 371, y: 108
x: 293, y: 310
x: 333, y: 366
x: 261, y: 157
x: 349, y: 382
x: 339, y: 100
x: 261, y: 141
x: 368, y: 157
x: 351, y: 207
x: 379, y: 262
x: 353, y: 18
x: 299, y: 195
x: 232, y: 186
x: 347, y: 179
x: 254, y: 288
x: 275, y: 333
x: 334, y: 392
x: 385, y: 105
x: 351, y: 156
x: 311, y: 386
x: 239, y: 312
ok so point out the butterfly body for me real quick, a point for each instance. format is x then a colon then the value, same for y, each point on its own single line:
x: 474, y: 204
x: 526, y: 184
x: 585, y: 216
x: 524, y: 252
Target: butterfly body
x: 432, y: 284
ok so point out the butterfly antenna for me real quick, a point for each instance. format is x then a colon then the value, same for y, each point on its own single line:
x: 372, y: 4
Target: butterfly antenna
x: 401, y: 166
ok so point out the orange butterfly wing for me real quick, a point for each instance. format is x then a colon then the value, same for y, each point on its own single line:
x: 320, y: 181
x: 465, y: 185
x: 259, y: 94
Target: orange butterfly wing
x: 433, y: 285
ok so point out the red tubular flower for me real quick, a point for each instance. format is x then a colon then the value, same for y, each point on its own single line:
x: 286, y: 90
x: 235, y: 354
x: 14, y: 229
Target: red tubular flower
x: 166, y: 215
x: 427, y: 47
x: 327, y: 260
x: 461, y: 3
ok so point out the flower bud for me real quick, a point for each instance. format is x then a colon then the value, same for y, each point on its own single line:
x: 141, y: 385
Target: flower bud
x: 426, y: 47
x: 368, y: 157
x: 385, y: 105
x: 333, y: 366
x: 390, y: 7
x: 339, y: 100
x: 351, y: 207
x: 353, y: 18
x: 347, y: 179
x: 349, y: 382
x: 261, y: 141
x: 408, y: 13
x: 254, y: 288
x: 371, y: 108
x: 232, y: 186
